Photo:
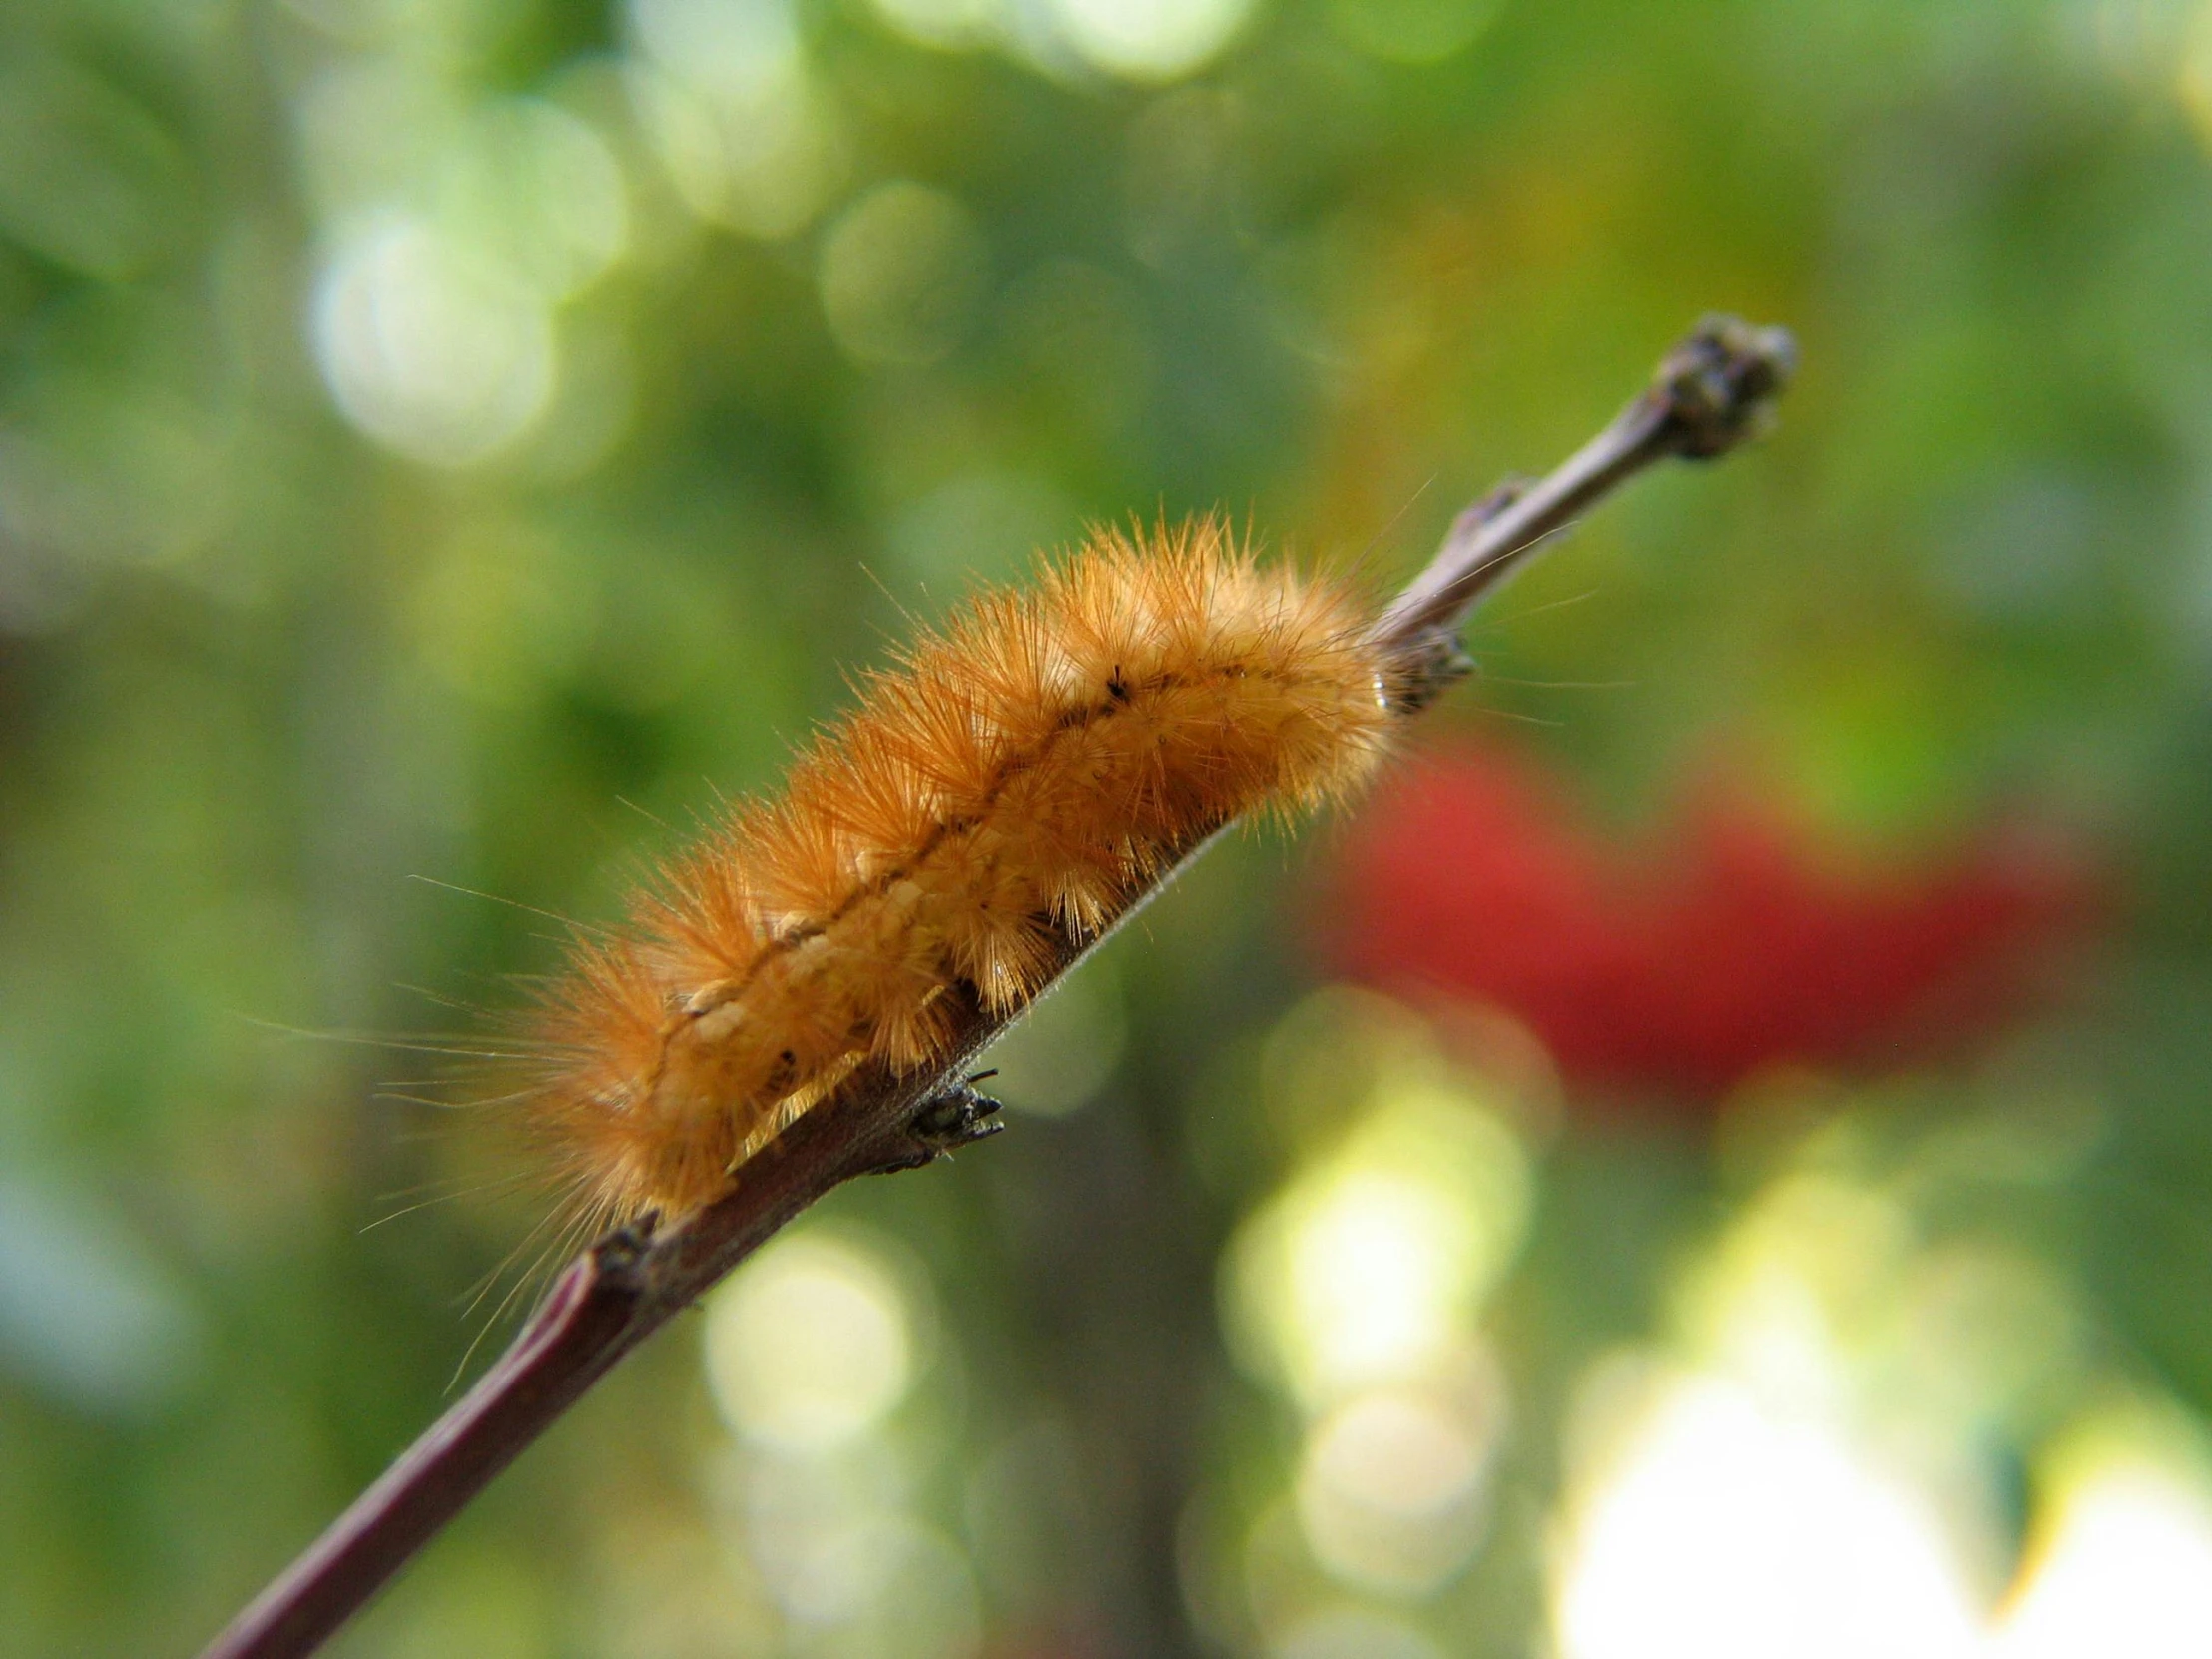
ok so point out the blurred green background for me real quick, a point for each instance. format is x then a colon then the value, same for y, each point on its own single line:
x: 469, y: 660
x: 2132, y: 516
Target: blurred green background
x: 461, y: 439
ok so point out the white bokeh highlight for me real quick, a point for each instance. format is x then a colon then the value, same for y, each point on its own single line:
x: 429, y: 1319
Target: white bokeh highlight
x: 1392, y: 1489
x: 430, y: 346
x: 723, y: 94
x: 1722, y: 1529
x: 2126, y: 1569
x: 1370, y: 1266
x: 809, y: 1344
x: 1151, y: 40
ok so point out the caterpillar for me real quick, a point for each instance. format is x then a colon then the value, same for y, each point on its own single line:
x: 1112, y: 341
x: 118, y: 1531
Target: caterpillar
x: 1016, y: 780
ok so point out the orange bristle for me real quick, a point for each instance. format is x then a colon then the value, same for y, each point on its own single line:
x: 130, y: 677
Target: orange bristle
x: 1010, y: 788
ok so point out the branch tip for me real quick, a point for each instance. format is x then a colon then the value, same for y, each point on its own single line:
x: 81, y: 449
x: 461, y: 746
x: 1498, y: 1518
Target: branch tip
x: 1718, y: 387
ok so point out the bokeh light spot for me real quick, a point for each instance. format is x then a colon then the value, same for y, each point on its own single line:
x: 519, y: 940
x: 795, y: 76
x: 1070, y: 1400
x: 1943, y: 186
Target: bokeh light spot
x: 2194, y: 79
x: 1411, y: 30
x: 902, y: 271
x: 809, y: 1344
x: 370, y: 130
x: 722, y: 91
x: 431, y: 348
x: 82, y: 1314
x: 732, y: 47
x: 1725, y: 1530
x: 888, y: 1588
x: 2126, y: 1568
x: 1370, y: 1264
x: 1353, y: 1633
x: 1152, y: 40
x: 941, y: 22
x: 1391, y: 1492
x: 541, y: 189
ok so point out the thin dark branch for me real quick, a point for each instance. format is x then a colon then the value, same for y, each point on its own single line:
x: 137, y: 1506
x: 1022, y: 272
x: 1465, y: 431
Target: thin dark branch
x: 1709, y: 393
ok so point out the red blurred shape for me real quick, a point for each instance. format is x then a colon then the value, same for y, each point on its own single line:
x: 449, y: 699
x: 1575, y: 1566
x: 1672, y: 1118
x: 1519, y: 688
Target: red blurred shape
x: 1737, y: 945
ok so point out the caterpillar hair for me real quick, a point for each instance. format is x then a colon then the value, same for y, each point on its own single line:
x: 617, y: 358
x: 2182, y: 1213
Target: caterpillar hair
x: 1014, y: 783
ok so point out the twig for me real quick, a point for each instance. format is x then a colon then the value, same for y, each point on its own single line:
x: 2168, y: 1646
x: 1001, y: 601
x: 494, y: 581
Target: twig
x: 1710, y: 391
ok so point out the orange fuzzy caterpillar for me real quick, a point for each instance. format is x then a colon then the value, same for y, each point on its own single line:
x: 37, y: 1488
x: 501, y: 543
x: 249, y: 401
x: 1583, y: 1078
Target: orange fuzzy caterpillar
x: 1012, y: 788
